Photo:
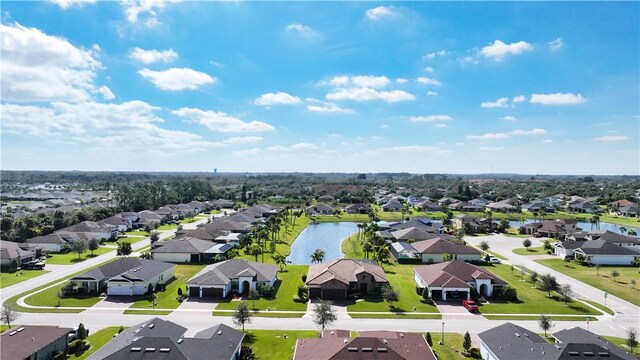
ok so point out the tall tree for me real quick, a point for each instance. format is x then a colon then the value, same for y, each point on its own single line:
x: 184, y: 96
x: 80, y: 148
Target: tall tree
x: 466, y: 344
x: 549, y: 283
x: 323, y: 314
x: 614, y: 275
x: 78, y: 246
x: 93, y: 245
x: 8, y: 314
x: 317, y: 256
x: 632, y: 339
x: 566, y: 292
x: 545, y: 323
x: 124, y: 248
x: 242, y: 315
x: 526, y: 243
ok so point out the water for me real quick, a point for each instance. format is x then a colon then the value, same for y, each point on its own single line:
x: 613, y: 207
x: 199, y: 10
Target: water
x: 586, y: 226
x: 325, y: 236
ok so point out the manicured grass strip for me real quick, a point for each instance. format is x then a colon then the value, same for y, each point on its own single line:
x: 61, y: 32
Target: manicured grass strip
x: 532, y: 251
x: 395, y: 316
x: 147, y: 312
x: 602, y: 279
x: 262, y: 314
x: 286, y: 289
x: 600, y: 306
x: 452, y: 347
x: 72, y: 258
x: 97, y: 340
x: 535, y: 317
x: 131, y: 239
x: 8, y: 279
x: 168, y: 227
x: 49, y: 298
x: 137, y: 233
x: 351, y: 247
x: 622, y: 343
x: 4, y: 328
x: 167, y: 299
x: 531, y: 300
x: 497, y: 255
x: 272, y: 344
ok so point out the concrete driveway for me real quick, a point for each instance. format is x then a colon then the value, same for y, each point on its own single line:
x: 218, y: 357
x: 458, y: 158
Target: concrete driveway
x: 198, y: 304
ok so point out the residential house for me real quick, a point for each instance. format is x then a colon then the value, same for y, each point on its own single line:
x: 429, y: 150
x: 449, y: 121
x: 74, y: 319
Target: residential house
x: 480, y: 202
x: 222, y: 224
x: 392, y: 205
x: 34, y: 342
x: 473, y: 223
x: 411, y: 234
x: 18, y: 252
x: 202, y: 233
x: 148, y: 217
x: 428, y: 205
x: 125, y: 276
x: 509, y: 341
x: 336, y: 279
x: 552, y: 228
x: 447, y: 201
x: 262, y: 210
x: 456, y: 279
x: 423, y: 224
x: 504, y: 206
x: 403, y: 251
x: 234, y: 275
x: 630, y: 211
x: 222, y: 204
x: 581, y: 336
x: 121, y: 224
x: 185, y: 249
x: 320, y: 209
x: 326, y: 199
x: 168, y: 213
x: 92, y: 230
x: 358, y: 209
x: 600, y: 252
x: 466, y: 206
x: 338, y: 344
x: 614, y: 238
x: 53, y: 242
x: 432, y: 250
x: 583, y: 206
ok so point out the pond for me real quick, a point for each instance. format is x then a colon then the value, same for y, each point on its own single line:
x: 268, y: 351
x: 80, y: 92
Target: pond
x: 586, y: 226
x: 325, y: 236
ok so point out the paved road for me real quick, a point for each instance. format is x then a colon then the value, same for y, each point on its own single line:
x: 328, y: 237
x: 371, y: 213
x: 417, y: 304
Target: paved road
x: 627, y: 314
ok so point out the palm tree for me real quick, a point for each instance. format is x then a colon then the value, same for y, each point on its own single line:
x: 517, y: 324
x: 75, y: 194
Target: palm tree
x: 317, y: 256
x: 623, y: 230
x: 367, y: 248
x: 633, y: 233
x: 535, y: 216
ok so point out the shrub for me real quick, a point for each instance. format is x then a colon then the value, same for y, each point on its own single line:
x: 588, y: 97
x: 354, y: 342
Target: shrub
x: 67, y: 289
x: 266, y: 290
x: 508, y: 293
x: 428, y: 338
x: 304, y: 278
x: 303, y: 293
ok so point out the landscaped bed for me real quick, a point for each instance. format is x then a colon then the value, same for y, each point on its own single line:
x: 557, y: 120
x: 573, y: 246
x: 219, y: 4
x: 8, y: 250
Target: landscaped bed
x: 275, y: 344
x: 96, y: 340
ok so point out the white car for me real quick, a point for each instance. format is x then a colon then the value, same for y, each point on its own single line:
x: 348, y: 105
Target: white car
x: 494, y: 260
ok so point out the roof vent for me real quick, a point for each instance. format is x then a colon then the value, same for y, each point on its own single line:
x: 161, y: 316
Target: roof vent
x: 219, y: 332
x: 165, y: 349
x: 385, y: 341
x: 401, y: 335
x: 180, y: 341
x: 574, y: 353
x: 603, y: 354
x: 20, y: 329
x: 517, y: 334
x: 352, y: 349
x: 588, y: 353
x: 13, y: 333
x: 345, y: 340
x: 382, y: 349
x: 367, y: 349
x: 149, y: 349
x: 136, y: 349
x: 151, y: 326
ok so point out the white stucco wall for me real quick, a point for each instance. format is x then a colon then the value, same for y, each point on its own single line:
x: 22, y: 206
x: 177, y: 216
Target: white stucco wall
x: 172, y: 257
x: 611, y: 259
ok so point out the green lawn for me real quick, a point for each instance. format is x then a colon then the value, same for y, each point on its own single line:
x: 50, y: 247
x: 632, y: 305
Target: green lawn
x: 190, y: 220
x: 4, y: 328
x: 8, y: 279
x: 168, y: 227
x: 72, y: 258
x: 602, y: 279
x: 531, y: 251
x: 97, y: 340
x: 287, y: 288
x: 286, y: 237
x: 137, y: 233
x: 622, y: 342
x: 132, y: 239
x: 536, y: 317
x: 271, y: 344
x: 531, y: 300
x: 452, y: 347
x: 391, y: 315
x: 49, y: 298
x: 147, y: 312
x: 263, y: 314
x: 496, y: 255
x: 401, y: 279
x: 599, y: 306
x: 167, y: 299
x: 351, y: 247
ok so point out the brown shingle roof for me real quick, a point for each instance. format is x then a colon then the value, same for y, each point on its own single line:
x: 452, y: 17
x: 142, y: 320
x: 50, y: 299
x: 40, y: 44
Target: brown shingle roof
x: 454, y: 274
x: 440, y: 246
x: 26, y: 342
x: 343, y: 270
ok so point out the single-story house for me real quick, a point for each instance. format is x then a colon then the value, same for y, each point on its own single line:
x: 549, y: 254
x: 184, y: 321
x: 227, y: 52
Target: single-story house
x: 202, y: 233
x: 466, y: 206
x: 326, y: 198
x: 509, y: 341
x: 338, y: 344
x: 432, y: 250
x: 220, y: 279
x: 423, y: 224
x: 552, y: 228
x: 125, y: 276
x: 428, y: 205
x: 631, y: 211
x: 93, y: 230
x: 614, y: 238
x: 222, y: 204
x: 475, y: 223
x: 33, y: 342
x: 52, y: 243
x: 479, y: 202
x: 185, y: 249
x: 20, y: 252
x: 262, y: 210
x: 118, y: 221
x: 501, y: 206
x: 411, y: 234
x: 393, y: 205
x: 447, y: 201
x: 222, y: 224
x: 600, y: 252
x: 403, y: 250
x: 456, y: 277
x: 337, y: 278
x: 358, y: 209
x: 320, y: 209
x: 565, y: 249
x: 148, y: 217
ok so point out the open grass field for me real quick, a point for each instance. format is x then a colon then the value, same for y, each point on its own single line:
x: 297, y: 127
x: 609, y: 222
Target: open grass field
x: 137, y: 233
x: 167, y: 299
x: 531, y: 300
x: 531, y: 251
x: 272, y: 344
x: 351, y: 247
x: 8, y: 279
x: 287, y: 288
x: 72, y: 258
x: 96, y: 340
x: 602, y: 279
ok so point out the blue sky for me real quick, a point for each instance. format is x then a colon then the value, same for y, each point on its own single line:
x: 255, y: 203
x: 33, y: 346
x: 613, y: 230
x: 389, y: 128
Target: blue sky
x: 472, y: 87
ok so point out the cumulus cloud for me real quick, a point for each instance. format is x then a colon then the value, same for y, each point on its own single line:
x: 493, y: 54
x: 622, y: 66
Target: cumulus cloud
x: 106, y: 93
x: 432, y: 93
x: 499, y: 50
x: 555, y: 45
x: 151, y: 56
x: 509, y: 118
x: 428, y: 69
x: 329, y: 107
x: 220, y: 121
x: 367, y: 94
x: 369, y: 81
x: 176, y: 79
x: 381, y: 13
x: 41, y: 67
x: 611, y: 138
x: 430, y: 118
x: 279, y: 98
x: 242, y: 140
x: 302, y: 30
x: 518, y: 99
x: 435, y: 54
x: 428, y: 81
x: 145, y: 10
x: 65, y: 4
x: 528, y: 132
x: 496, y: 136
x: 500, y: 103
x: 557, y: 99
x: 401, y: 80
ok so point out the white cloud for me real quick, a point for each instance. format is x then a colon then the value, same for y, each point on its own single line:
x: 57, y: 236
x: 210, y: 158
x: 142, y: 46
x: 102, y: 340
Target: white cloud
x: 430, y: 118
x: 469, y: 59
x: 556, y: 44
x: 221, y: 122
x: 428, y: 69
x: 432, y: 93
x: 381, y: 12
x: 40, y: 67
x: 557, y: 99
x: 384, y: 126
x: 148, y: 10
x: 500, y: 103
x: 611, y: 138
x: 367, y: 94
x: 509, y: 118
x: 242, y: 140
x: 368, y: 81
x: 499, y: 50
x: 428, y: 81
x: 279, y: 98
x: 176, y: 79
x: 302, y: 30
x: 151, y: 56
x: 329, y: 107
x: 488, y: 136
x: 518, y: 99
x: 440, y: 125
x: 401, y: 80
x: 106, y: 93
x: 528, y: 132
x: 417, y: 149
x: 303, y: 146
x: 433, y: 55
x: 547, y: 141
x: 334, y: 135
x: 65, y: 4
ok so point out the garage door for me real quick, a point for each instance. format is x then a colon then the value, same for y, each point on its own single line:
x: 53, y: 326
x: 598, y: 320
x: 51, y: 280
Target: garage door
x: 333, y: 294
x: 314, y: 293
x: 139, y: 290
x: 212, y: 292
x: 119, y: 289
x: 194, y: 292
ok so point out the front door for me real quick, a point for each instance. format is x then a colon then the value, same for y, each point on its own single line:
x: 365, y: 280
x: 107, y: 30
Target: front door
x: 363, y: 289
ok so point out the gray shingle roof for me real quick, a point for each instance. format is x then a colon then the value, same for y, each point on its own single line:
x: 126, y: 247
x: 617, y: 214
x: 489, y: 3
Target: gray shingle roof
x: 223, y: 272
x: 184, y: 244
x: 581, y: 336
x: 148, y: 269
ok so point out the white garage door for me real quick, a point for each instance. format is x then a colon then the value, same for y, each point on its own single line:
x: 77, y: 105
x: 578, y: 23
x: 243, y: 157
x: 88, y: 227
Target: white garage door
x: 119, y: 289
x: 139, y: 290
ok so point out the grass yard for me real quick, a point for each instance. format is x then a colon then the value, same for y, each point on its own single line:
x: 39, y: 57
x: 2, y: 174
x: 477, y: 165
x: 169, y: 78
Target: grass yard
x: 168, y: 227
x: 531, y: 251
x: 401, y: 279
x: 132, y: 239
x: 49, y: 298
x: 602, y: 279
x: 167, y: 299
x: 191, y: 220
x: 351, y: 247
x: 286, y: 289
x: 599, y: 306
x: 137, y: 233
x: 4, y: 328
x: 395, y: 316
x: 263, y: 314
x: 452, y: 347
x: 72, y: 258
x: 271, y: 344
x: 536, y: 317
x: 622, y: 343
x: 147, y: 312
x: 285, y: 237
x: 8, y: 279
x: 97, y: 340
x: 531, y: 300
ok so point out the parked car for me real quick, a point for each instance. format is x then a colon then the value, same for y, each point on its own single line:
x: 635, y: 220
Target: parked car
x: 33, y: 265
x: 494, y: 260
x: 470, y: 305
